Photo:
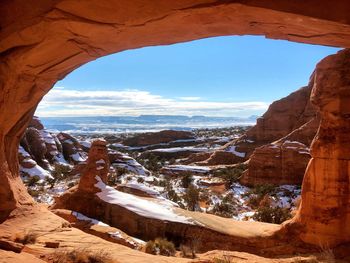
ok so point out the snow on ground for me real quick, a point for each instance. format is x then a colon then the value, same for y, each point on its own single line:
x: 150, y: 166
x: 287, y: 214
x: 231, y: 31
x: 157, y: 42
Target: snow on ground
x: 35, y: 171
x: 86, y: 144
x: 135, y: 242
x: 77, y: 157
x: 138, y: 205
x: 85, y: 218
x: 131, y: 165
x: 47, y: 137
x: 23, y: 152
x: 69, y: 141
x: 190, y: 168
x: 143, y: 188
x: 232, y: 149
x: 180, y: 149
x: 244, y: 216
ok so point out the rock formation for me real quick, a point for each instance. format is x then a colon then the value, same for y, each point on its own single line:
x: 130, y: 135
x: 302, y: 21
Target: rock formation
x: 41, y: 42
x: 283, y: 161
x: 282, y: 117
x: 71, y: 147
x: 42, y: 145
x: 97, y: 165
x: 150, y: 138
x: 324, y: 211
x: 267, y: 145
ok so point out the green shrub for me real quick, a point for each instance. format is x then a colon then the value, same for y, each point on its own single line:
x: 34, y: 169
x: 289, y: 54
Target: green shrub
x: 231, y: 175
x: 276, y: 215
x: 140, y: 180
x: 186, y: 180
x: 258, y: 193
x: 227, y: 207
x: 33, y: 180
x: 160, y: 246
x: 191, y: 197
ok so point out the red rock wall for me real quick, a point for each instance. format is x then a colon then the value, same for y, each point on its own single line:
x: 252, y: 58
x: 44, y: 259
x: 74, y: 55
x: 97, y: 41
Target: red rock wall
x: 42, y: 41
x: 325, y: 208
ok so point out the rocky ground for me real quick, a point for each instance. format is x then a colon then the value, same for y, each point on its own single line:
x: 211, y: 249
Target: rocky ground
x: 156, y: 165
x: 226, y: 189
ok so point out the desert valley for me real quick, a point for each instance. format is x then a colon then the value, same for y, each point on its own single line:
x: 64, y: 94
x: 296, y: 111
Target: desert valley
x: 274, y: 188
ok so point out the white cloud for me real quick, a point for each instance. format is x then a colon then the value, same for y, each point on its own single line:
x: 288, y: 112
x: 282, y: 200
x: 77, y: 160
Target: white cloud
x: 190, y: 98
x: 64, y: 102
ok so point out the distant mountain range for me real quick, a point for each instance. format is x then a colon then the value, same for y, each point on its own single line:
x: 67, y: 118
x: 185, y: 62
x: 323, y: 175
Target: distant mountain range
x: 142, y: 123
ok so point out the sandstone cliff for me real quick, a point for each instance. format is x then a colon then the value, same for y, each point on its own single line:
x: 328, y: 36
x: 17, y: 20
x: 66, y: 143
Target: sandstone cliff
x: 277, y: 146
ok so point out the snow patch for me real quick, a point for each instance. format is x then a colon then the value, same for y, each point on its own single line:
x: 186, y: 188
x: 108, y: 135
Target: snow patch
x: 138, y: 205
x: 232, y: 149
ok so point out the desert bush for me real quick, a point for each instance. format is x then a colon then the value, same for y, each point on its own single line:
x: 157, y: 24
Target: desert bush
x: 160, y: 246
x: 231, y: 175
x: 71, y: 184
x: 60, y: 172
x: 186, y: 180
x: 28, y: 237
x: 185, y: 251
x: 120, y: 171
x: 163, y: 183
x: 258, y: 193
x: 227, y: 207
x: 33, y: 180
x: 33, y: 192
x: 140, y: 180
x: 275, y: 215
x: 191, y: 197
x: 224, y: 210
x: 81, y: 256
x: 173, y: 196
x: 153, y: 163
x: 223, y: 259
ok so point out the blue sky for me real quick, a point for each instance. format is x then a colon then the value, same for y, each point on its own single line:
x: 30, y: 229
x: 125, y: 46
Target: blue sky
x: 222, y: 76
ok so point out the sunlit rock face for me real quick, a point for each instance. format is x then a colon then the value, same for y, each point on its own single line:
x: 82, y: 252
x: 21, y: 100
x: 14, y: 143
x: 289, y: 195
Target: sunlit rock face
x: 42, y: 41
x: 97, y: 166
x: 284, y: 161
x: 277, y: 147
x: 324, y: 210
x: 71, y: 148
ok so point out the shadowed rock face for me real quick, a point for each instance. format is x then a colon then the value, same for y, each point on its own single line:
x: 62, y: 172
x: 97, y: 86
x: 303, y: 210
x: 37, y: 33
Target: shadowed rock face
x: 41, y: 42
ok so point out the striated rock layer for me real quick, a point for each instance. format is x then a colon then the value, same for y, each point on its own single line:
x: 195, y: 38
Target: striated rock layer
x: 277, y: 146
x: 281, y: 118
x: 325, y: 207
x: 283, y: 161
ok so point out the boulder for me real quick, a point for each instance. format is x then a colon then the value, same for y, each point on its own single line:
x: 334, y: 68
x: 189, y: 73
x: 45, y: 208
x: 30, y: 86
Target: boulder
x: 71, y: 148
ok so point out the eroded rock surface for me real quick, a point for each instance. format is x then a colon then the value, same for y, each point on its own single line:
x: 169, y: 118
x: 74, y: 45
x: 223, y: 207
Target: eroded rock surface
x: 41, y: 42
x: 97, y: 165
x: 71, y: 148
x: 283, y: 161
x: 324, y: 212
x: 151, y: 138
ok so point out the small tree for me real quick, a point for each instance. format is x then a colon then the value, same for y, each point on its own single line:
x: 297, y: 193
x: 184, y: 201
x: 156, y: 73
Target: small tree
x: 186, y: 180
x: 192, y: 197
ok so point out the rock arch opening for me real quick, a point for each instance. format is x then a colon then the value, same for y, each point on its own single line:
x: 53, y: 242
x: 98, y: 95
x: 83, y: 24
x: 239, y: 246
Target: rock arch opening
x: 34, y: 58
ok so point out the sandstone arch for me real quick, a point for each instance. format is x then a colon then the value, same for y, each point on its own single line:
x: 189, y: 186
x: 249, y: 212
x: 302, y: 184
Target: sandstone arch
x: 41, y: 42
